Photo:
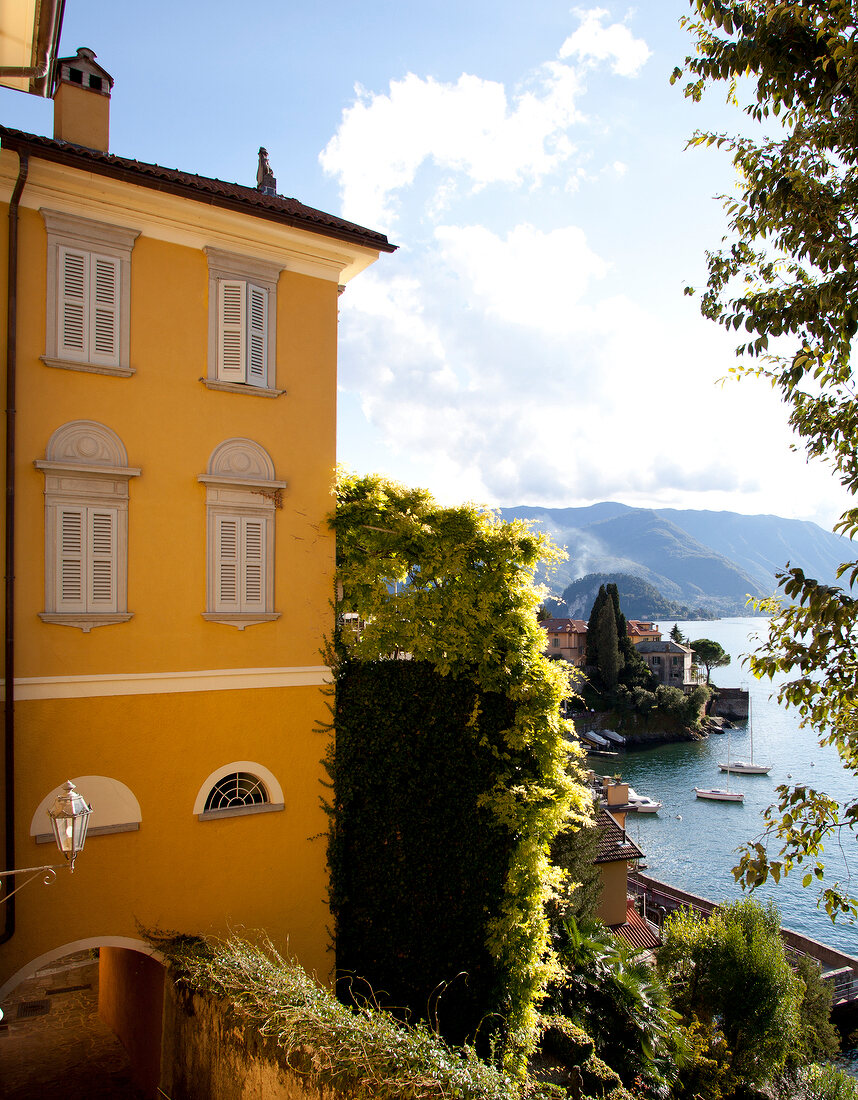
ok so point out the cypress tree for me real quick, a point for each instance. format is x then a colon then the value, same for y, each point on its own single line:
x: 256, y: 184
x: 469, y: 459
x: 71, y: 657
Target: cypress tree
x: 610, y: 659
x: 592, y: 654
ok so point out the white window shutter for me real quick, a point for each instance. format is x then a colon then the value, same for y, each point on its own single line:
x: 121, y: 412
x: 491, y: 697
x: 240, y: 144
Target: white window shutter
x: 104, y: 310
x: 71, y: 559
x: 101, y: 527
x: 253, y: 530
x: 73, y: 304
x: 231, y: 336
x: 257, y: 335
x: 227, y: 563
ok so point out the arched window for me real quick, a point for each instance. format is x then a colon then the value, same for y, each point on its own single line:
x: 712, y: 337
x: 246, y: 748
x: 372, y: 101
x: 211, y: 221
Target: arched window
x: 237, y: 789
x: 86, y: 526
x: 241, y: 787
x: 115, y: 808
x: 242, y: 494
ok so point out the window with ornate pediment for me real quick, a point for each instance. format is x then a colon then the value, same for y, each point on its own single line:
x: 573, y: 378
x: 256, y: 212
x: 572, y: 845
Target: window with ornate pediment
x: 242, y: 494
x: 86, y: 526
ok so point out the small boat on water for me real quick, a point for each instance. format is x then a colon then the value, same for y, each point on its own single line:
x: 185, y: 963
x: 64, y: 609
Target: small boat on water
x: 721, y: 794
x: 640, y: 804
x: 746, y: 767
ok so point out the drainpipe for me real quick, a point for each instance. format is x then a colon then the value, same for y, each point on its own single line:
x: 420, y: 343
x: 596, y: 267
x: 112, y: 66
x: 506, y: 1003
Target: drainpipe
x: 9, y: 648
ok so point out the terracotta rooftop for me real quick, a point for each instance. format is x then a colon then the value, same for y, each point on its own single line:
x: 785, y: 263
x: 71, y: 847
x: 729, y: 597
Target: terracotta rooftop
x: 614, y: 843
x: 665, y: 646
x: 564, y: 626
x: 636, y: 931
x: 233, y: 196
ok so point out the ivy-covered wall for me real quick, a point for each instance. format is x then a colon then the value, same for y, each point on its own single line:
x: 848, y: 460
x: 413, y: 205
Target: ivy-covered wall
x: 451, y: 768
x: 418, y: 861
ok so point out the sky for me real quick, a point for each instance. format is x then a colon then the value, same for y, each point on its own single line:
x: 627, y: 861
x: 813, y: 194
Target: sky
x: 529, y: 343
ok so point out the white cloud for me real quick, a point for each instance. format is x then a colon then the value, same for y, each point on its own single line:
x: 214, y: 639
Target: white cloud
x: 470, y: 128
x: 529, y: 277
x: 593, y: 42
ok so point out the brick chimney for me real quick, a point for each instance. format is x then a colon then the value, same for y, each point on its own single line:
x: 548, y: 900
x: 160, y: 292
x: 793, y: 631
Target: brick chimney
x: 82, y: 101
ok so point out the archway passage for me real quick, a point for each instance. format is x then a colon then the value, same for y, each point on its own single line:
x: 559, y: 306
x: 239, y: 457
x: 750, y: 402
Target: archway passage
x: 88, y: 1023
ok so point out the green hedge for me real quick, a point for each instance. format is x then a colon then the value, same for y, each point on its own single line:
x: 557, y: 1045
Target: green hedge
x: 418, y: 861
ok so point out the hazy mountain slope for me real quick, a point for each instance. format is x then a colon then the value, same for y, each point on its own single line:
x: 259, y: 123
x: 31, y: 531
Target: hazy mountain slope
x: 764, y: 544
x: 638, y: 598
x: 705, y: 559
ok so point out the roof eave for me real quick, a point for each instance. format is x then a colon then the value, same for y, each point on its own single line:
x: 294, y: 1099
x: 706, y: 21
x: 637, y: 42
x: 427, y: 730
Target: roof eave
x: 72, y: 159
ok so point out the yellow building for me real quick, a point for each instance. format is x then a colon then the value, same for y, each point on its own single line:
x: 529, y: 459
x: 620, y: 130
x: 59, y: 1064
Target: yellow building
x: 171, y: 351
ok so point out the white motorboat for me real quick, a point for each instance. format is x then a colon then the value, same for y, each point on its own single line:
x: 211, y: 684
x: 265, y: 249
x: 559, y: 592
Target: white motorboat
x: 640, y: 804
x: 746, y: 767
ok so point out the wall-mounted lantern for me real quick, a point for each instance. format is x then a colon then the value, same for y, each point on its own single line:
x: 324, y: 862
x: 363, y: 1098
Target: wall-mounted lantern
x: 69, y: 820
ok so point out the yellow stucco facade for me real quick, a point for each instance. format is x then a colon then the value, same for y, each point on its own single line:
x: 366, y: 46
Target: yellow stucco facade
x: 163, y: 700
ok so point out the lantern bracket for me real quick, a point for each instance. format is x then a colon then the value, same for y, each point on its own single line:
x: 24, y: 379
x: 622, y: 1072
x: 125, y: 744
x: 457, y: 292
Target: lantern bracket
x: 47, y: 874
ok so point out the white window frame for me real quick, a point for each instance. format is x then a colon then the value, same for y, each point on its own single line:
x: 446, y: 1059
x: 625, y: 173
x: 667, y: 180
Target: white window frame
x: 100, y: 248
x: 242, y: 494
x: 275, y: 792
x: 242, y: 351
x: 86, y: 474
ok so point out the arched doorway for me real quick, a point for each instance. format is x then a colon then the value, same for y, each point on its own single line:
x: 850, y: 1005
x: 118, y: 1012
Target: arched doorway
x: 87, y: 1014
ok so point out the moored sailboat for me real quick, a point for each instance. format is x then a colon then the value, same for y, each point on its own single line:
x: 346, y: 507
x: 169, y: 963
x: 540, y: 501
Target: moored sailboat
x: 745, y: 767
x: 721, y: 794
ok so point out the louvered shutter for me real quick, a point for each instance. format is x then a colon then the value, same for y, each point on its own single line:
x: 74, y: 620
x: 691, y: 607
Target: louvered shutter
x: 71, y: 559
x: 104, y: 310
x: 73, y: 304
x: 101, y: 571
x: 253, y: 531
x: 257, y: 335
x: 227, y: 567
x: 231, y: 358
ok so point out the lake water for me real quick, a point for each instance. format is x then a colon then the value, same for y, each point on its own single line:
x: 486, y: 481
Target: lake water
x: 692, y: 843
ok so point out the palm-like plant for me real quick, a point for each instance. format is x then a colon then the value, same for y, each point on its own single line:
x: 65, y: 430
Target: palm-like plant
x: 618, y: 999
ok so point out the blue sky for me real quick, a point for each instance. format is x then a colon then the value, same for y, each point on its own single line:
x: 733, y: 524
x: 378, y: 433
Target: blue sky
x: 529, y: 343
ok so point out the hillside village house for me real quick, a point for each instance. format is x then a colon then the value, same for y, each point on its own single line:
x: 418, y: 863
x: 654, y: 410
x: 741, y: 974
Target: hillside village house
x: 566, y: 638
x: 171, y: 354
x: 670, y: 661
x: 640, y: 631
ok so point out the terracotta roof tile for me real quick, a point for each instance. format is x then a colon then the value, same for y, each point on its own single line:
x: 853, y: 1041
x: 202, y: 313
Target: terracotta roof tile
x: 636, y: 931
x: 200, y: 188
x: 614, y: 843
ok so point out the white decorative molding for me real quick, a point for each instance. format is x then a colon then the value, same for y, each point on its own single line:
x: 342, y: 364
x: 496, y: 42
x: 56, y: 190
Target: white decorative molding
x: 168, y: 683
x: 242, y: 388
x: 85, y: 621
x: 88, y: 368
x: 241, y: 619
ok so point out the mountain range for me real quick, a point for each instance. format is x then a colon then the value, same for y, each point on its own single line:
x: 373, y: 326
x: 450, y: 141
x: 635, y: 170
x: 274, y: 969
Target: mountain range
x: 704, y: 561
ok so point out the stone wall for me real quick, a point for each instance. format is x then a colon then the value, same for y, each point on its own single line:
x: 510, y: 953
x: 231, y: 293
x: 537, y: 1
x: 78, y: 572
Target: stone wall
x: 205, y: 1055
x: 730, y: 703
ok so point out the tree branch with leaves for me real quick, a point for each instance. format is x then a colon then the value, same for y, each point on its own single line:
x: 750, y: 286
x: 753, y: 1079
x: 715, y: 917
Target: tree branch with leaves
x: 786, y: 277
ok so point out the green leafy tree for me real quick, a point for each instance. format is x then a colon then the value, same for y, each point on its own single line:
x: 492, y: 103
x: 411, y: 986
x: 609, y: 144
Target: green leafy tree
x: 731, y: 971
x: 710, y: 654
x: 676, y: 634
x: 787, y: 273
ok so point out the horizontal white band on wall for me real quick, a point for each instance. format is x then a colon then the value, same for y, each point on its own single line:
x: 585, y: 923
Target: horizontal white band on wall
x: 167, y: 683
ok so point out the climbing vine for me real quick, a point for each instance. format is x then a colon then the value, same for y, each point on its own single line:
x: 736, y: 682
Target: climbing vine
x: 451, y: 589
